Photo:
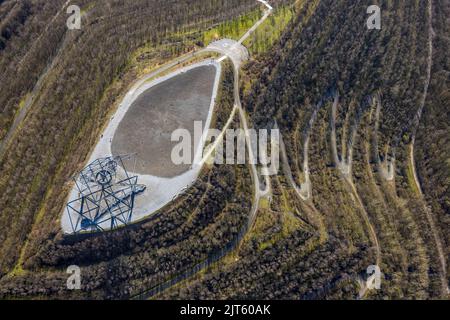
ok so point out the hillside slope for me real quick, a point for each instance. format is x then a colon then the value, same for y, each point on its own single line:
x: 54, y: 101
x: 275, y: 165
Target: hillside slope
x: 365, y: 170
x: 366, y: 207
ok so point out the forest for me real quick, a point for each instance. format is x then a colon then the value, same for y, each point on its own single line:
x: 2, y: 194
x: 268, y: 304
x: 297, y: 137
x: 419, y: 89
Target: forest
x: 321, y: 57
x: 367, y: 109
x: 73, y: 76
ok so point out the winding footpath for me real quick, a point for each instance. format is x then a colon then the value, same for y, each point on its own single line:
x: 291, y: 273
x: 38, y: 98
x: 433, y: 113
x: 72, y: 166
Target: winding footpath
x: 305, y: 189
x: 418, y: 117
x: 228, y: 53
x: 345, y: 166
x: 386, y: 167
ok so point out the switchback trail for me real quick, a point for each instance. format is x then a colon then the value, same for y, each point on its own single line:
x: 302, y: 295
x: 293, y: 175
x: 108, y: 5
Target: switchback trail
x: 254, y: 173
x: 427, y: 209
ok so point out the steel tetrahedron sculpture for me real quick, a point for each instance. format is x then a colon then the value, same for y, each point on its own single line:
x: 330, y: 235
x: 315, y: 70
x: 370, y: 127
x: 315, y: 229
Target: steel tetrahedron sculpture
x: 106, y: 195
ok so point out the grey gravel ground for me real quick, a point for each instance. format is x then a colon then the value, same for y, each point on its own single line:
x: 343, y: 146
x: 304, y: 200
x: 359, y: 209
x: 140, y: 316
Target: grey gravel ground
x: 147, y: 126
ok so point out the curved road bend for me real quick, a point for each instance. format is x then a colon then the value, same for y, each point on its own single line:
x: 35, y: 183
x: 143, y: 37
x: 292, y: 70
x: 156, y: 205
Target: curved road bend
x: 428, y: 212
x: 344, y: 166
x: 254, y: 172
x: 305, y: 189
x: 29, y: 100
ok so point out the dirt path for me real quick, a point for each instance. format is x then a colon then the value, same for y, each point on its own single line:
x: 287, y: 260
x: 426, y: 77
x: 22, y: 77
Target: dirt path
x: 340, y: 161
x: 254, y: 173
x: 30, y: 99
x: 305, y: 189
x: 344, y: 166
x: 386, y: 166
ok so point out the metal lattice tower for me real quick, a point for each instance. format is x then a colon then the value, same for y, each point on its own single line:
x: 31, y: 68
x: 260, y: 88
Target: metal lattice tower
x: 106, y: 196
